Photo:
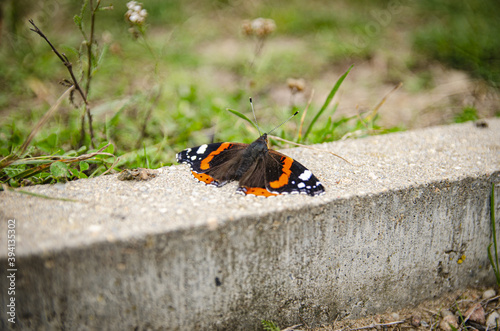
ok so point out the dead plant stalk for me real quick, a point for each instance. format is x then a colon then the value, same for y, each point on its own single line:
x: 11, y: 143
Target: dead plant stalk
x: 64, y: 59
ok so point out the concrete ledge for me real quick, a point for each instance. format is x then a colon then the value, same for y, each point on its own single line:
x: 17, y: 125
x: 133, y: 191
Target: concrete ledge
x: 171, y: 253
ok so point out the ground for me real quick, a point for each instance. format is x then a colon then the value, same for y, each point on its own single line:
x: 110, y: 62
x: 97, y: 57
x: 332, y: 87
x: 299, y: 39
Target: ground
x: 425, y: 316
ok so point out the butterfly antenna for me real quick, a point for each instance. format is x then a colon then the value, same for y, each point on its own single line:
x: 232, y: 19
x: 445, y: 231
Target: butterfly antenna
x: 284, y: 122
x: 254, y: 117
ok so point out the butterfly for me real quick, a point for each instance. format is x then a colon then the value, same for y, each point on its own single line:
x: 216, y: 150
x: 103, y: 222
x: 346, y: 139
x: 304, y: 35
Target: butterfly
x: 258, y: 169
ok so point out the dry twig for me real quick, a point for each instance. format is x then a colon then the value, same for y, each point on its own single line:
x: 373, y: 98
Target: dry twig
x: 64, y: 59
x: 374, y: 325
x: 293, y: 327
x: 309, y: 147
x: 44, y: 119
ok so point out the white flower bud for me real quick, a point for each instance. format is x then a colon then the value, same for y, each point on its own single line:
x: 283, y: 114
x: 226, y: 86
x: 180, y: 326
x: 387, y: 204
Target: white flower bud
x: 257, y: 24
x: 133, y: 18
x: 131, y: 4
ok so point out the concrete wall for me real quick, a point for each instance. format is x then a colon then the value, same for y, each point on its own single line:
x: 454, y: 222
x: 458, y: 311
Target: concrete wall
x: 172, y: 253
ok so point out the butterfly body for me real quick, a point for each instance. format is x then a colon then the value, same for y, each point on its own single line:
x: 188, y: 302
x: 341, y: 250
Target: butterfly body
x: 260, y: 171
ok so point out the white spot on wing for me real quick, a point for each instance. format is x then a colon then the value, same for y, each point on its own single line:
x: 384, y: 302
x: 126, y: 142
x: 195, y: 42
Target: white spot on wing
x: 305, y: 175
x: 202, y: 149
x: 194, y: 157
x: 301, y: 185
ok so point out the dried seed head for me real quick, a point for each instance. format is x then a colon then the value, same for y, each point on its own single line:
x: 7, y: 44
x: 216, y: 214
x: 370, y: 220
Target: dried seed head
x: 296, y: 85
x: 260, y: 27
x: 246, y: 28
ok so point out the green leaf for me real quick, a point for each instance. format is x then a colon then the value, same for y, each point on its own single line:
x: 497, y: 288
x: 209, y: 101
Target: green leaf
x: 101, y: 145
x: 14, y: 171
x: 97, y: 60
x: 327, y: 102
x: 81, y: 150
x: 269, y: 326
x: 71, y: 153
x: 13, y: 183
x: 49, y: 144
x: 78, y: 20
x: 84, y: 166
x: 110, y: 149
x: 240, y: 115
x: 59, y: 169
x: 74, y: 172
x: 113, y: 122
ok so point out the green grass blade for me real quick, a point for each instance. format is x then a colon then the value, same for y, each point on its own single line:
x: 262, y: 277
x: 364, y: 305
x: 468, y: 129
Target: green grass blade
x: 43, y: 196
x: 327, y: 102
x: 240, y: 115
x: 146, y: 160
x: 31, y: 172
x: 31, y: 161
x: 495, y: 270
x: 493, y: 228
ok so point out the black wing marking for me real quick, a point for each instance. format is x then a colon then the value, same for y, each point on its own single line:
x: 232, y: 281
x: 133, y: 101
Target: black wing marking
x: 286, y: 175
x: 217, y: 162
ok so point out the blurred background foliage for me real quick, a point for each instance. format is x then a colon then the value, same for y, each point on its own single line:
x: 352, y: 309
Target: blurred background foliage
x: 155, y: 94
x: 463, y: 35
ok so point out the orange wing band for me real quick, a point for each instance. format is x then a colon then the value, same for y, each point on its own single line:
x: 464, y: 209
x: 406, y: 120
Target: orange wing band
x: 203, y: 177
x: 205, y: 163
x: 259, y: 191
x: 283, y: 180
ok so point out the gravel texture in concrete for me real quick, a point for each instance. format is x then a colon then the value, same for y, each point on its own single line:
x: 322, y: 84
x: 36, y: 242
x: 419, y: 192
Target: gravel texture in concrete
x: 407, y: 221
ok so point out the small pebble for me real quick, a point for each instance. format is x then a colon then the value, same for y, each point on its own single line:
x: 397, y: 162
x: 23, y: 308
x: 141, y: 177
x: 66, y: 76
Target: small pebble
x: 491, y: 321
x: 394, y: 317
x: 476, y: 314
x: 446, y: 312
x: 447, y: 321
x: 415, y: 321
x: 488, y: 294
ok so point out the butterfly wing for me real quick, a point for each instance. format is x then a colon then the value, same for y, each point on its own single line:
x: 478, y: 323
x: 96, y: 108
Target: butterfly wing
x: 213, y: 164
x: 254, y: 180
x: 276, y: 174
x: 270, y: 174
x: 285, y: 175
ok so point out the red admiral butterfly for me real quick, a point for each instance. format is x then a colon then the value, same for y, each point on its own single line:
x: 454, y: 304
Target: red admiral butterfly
x: 260, y: 171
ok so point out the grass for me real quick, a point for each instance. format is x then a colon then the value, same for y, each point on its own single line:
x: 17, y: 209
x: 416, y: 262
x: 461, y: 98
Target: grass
x: 269, y: 326
x: 494, y: 261
x: 467, y: 40
x: 467, y: 114
x: 154, y: 89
